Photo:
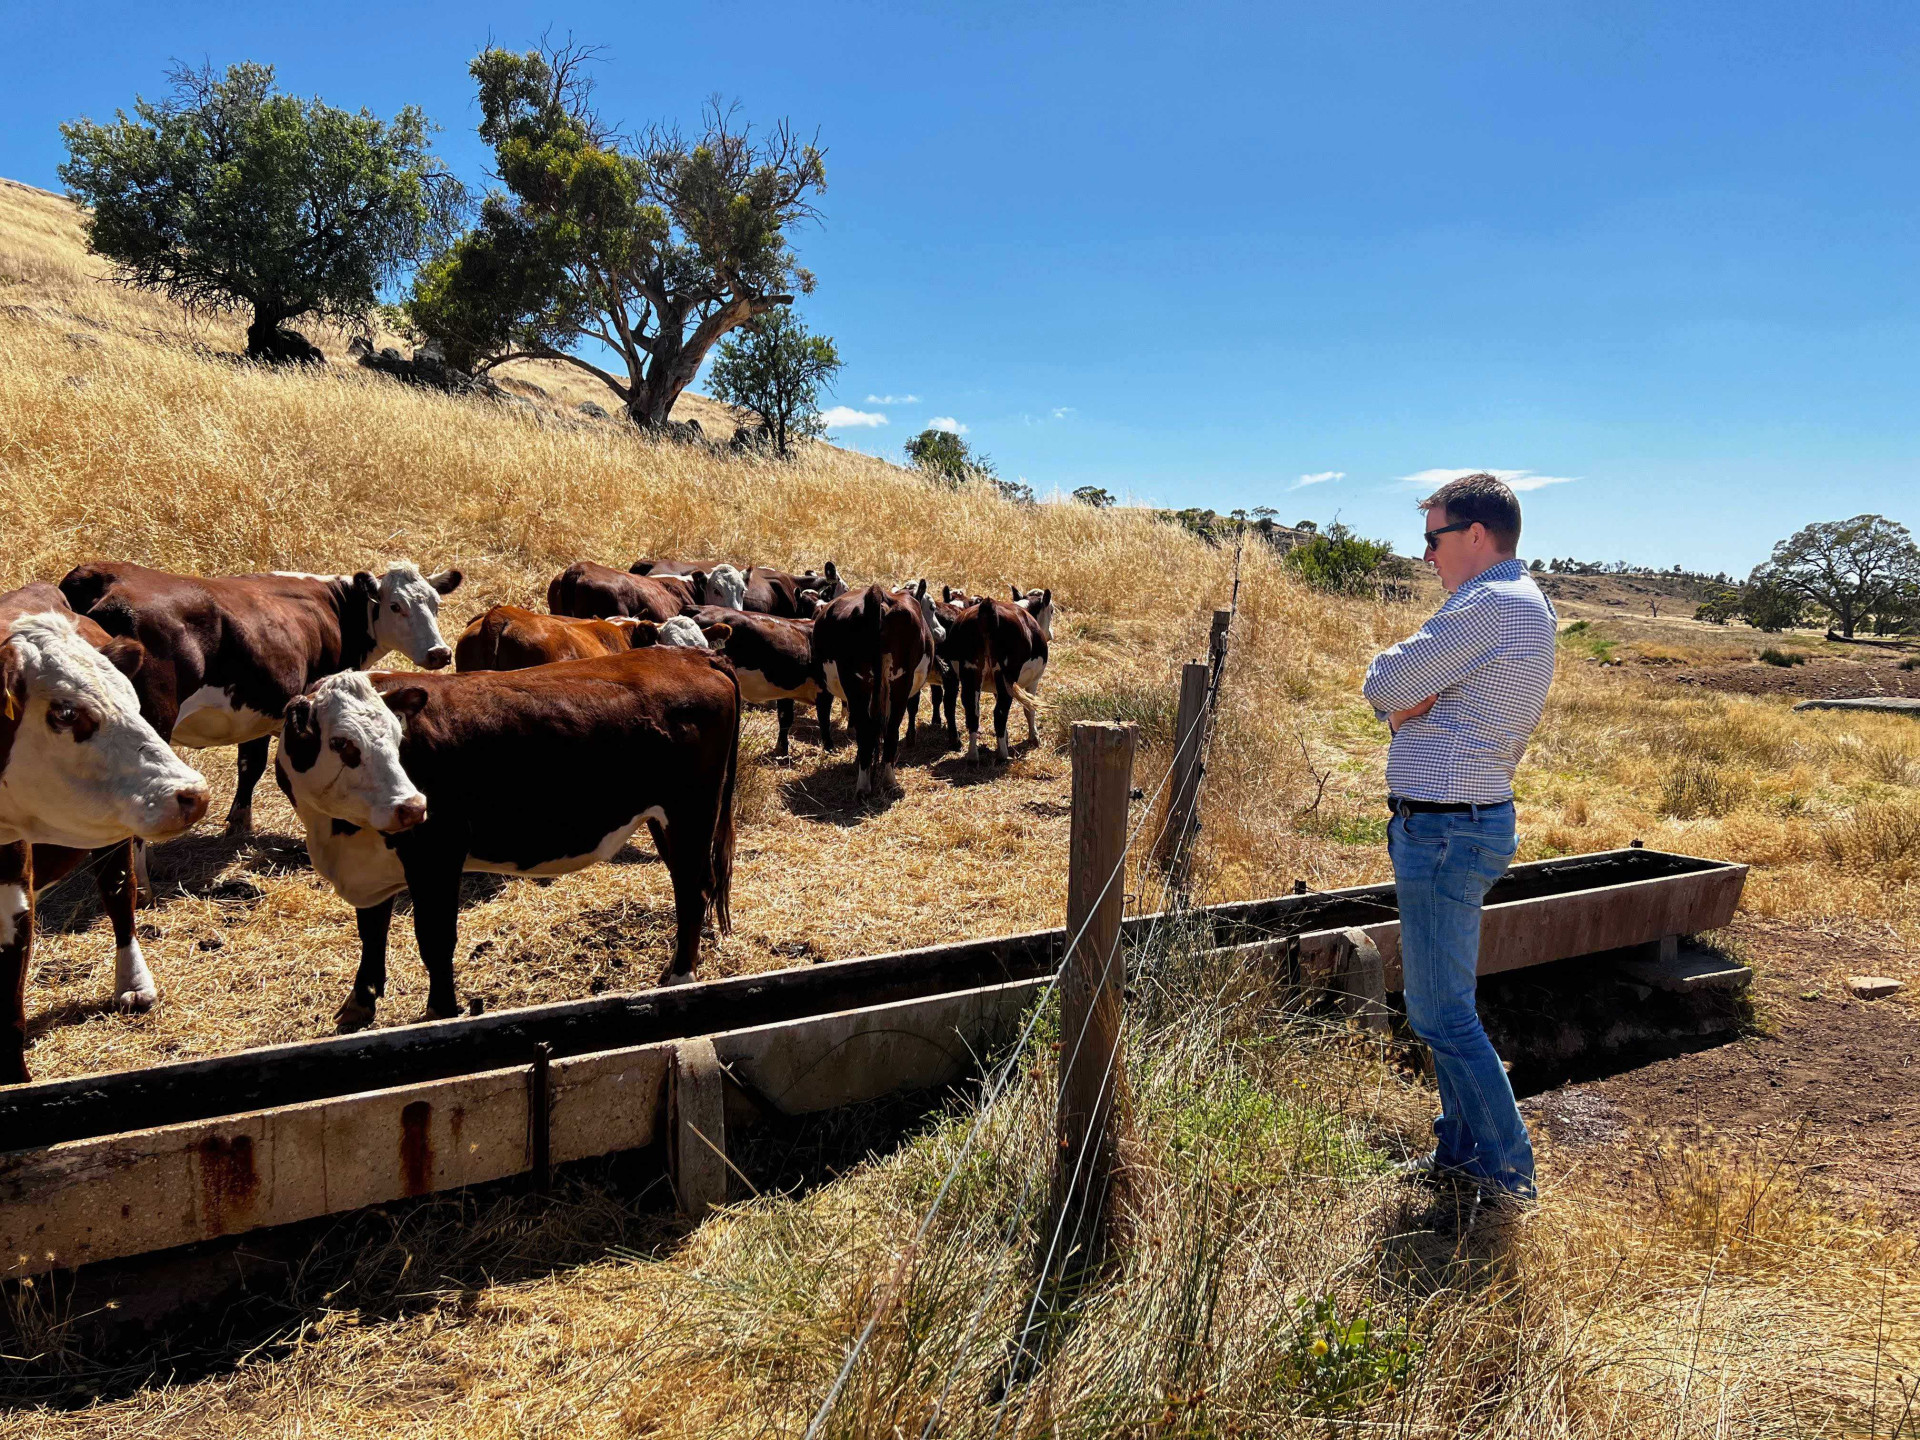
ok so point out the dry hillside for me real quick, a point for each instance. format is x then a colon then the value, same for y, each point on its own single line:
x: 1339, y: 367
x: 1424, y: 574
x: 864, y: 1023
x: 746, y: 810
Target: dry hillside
x: 1675, y: 1290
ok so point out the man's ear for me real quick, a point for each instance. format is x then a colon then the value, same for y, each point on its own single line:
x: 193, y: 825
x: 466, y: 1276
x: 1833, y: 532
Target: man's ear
x: 446, y: 582
x: 300, y: 734
x: 406, y: 702
x: 126, y: 655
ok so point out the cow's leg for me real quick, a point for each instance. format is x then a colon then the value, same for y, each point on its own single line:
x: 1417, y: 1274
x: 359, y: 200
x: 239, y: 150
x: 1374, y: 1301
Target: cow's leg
x: 866, y: 740
x: 371, y: 981
x: 16, y: 949
x: 902, y: 704
x: 133, y: 987
x: 142, y: 878
x: 1002, y: 708
x: 434, y: 881
x: 950, y: 697
x: 970, y: 698
x: 823, y: 712
x: 913, y: 717
x: 251, y: 766
x: 784, y: 709
x: 692, y: 874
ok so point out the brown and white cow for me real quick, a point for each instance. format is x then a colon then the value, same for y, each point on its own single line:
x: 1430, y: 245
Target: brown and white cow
x: 874, y: 651
x: 774, y: 659
x: 997, y: 644
x: 226, y: 653
x: 588, y: 590
x: 1038, y: 604
x: 767, y: 592
x: 509, y: 638
x: 943, y: 685
x: 404, y: 781
x: 80, y: 771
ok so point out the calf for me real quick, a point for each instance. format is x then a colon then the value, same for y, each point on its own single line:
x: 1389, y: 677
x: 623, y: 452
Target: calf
x: 226, y: 653
x: 589, y: 591
x: 999, y: 644
x: 774, y: 660
x: 405, y: 781
x: 509, y: 638
x: 1038, y: 604
x: 80, y: 770
x: 874, y: 651
x: 944, y: 683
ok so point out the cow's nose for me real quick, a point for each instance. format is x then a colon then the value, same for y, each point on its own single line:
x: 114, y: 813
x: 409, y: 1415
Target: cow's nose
x: 193, y: 803
x: 439, y: 658
x: 409, y: 813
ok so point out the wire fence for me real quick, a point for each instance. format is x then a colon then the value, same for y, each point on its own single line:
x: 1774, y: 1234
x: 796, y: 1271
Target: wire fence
x: 1172, y: 902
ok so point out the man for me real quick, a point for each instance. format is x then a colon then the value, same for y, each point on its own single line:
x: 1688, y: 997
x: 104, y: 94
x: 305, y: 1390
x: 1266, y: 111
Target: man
x: 1462, y: 697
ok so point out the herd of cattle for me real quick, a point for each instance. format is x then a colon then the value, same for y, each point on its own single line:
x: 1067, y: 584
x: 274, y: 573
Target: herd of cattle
x: 556, y: 738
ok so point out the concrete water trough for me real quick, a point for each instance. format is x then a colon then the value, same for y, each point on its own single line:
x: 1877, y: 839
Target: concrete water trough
x: 113, y: 1165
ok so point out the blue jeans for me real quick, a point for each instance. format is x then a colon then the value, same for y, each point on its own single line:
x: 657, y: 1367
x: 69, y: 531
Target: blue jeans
x: 1443, y: 865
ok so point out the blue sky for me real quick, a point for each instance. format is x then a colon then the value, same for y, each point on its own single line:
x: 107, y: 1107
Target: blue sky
x: 1660, y: 261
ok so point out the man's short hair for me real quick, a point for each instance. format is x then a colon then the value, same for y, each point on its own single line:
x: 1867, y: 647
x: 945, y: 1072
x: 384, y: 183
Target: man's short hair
x: 1484, y: 498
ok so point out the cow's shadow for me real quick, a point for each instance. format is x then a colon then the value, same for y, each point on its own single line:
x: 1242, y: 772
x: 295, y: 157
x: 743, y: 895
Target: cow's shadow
x: 71, y: 1012
x: 826, y: 796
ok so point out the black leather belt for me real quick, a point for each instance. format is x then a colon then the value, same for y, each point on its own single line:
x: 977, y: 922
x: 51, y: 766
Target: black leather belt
x: 1400, y: 805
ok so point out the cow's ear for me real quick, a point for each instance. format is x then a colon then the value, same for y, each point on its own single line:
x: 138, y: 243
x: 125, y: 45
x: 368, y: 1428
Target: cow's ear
x: 717, y: 634
x: 406, y: 702
x: 1017, y: 596
x: 446, y: 582
x: 366, y: 587
x: 920, y: 591
x: 832, y: 574
x: 697, y: 582
x: 126, y: 655
x: 643, y: 633
x: 1046, y: 599
x: 13, y: 685
x: 300, y: 734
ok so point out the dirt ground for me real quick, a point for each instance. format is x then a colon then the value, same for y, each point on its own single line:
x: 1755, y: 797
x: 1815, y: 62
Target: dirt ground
x: 1821, y: 678
x: 1829, y: 1083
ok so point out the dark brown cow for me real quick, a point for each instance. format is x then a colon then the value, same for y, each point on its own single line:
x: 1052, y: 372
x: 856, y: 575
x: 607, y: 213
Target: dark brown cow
x: 943, y: 685
x: 874, y: 651
x: 405, y: 781
x: 508, y: 638
x: 80, y: 770
x: 590, y: 591
x: 768, y: 591
x: 998, y: 644
x: 774, y: 660
x: 226, y: 653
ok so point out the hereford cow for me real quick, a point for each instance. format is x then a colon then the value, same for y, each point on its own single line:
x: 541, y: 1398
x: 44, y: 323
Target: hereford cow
x: 226, y: 653
x: 874, y: 651
x: 589, y: 591
x: 774, y: 660
x: 80, y: 771
x: 1038, y: 604
x: 768, y: 592
x: 1001, y: 645
x: 506, y: 637
x: 405, y: 781
x: 943, y: 685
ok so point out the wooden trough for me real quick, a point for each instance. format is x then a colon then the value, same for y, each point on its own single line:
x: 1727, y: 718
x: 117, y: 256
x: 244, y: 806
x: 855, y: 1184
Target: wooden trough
x: 107, y: 1166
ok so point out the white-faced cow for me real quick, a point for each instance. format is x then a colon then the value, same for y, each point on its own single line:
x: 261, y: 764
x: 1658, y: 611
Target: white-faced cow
x: 80, y: 770
x: 1038, y: 604
x: 226, y: 653
x: 405, y: 781
x: 874, y: 651
x: 588, y: 590
x: 767, y: 591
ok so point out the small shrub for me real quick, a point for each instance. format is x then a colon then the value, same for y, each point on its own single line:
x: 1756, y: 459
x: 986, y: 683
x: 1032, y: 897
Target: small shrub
x: 1152, y: 704
x: 1783, y: 658
x: 1337, y: 1364
x: 1695, y: 786
x: 1338, y: 562
x: 1873, y: 835
x: 1912, y: 662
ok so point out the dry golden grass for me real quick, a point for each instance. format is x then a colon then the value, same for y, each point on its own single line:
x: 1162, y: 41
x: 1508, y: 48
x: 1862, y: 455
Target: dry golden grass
x: 134, y: 440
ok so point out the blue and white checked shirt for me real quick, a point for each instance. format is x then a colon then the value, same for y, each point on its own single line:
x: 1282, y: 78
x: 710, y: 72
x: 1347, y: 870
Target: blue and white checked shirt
x: 1488, y: 654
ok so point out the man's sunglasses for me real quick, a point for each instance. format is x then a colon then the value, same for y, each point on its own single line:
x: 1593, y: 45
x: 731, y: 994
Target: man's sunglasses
x: 1433, y: 536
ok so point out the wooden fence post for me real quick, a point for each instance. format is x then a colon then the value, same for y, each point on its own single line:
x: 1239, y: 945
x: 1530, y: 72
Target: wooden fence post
x: 1174, y: 849
x: 1091, y: 1066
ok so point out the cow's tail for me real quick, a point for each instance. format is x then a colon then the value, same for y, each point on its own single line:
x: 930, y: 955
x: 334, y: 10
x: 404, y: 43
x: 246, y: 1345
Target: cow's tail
x: 987, y: 660
x: 873, y: 611
x: 723, y: 830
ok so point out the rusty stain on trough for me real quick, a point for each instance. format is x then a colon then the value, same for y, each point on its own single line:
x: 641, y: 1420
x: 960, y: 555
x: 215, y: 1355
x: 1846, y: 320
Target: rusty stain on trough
x: 416, y: 1148
x: 228, y: 1180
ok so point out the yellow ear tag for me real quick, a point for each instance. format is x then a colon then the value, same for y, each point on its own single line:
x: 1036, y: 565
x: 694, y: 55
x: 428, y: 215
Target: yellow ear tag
x: 11, y: 711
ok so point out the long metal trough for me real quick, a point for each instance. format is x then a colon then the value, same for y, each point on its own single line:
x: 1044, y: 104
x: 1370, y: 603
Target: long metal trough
x: 106, y: 1166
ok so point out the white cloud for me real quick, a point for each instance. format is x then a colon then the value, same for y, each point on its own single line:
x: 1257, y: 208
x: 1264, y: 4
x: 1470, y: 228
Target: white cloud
x: 1517, y: 480
x: 893, y: 399
x: 947, y: 423
x: 1064, y: 412
x: 842, y: 417
x: 1318, y: 478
